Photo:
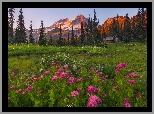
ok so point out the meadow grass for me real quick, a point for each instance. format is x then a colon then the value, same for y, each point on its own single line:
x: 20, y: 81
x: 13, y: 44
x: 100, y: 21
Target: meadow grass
x: 37, y: 71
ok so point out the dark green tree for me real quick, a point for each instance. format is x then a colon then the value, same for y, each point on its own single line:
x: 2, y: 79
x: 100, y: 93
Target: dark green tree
x: 42, y: 38
x: 82, y: 35
x: 31, y: 39
x: 127, y: 29
x: 73, y: 39
x: 10, y: 24
x: 20, y: 35
x: 68, y: 37
x: 95, y: 28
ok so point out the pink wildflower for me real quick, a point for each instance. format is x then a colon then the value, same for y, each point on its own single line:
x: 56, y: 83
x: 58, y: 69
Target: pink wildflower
x: 12, y: 87
x: 103, y: 78
x: 57, y: 73
x: 91, y: 68
x: 127, y: 76
x: 60, y: 70
x: 79, y: 79
x: 117, y: 71
x: 116, y: 88
x: 63, y: 75
x: 24, y: 92
x: 139, y: 95
x: 133, y: 75
x: 78, y: 89
x: 127, y: 105
x: 100, y: 73
x: 66, y: 66
x: 126, y: 100
x: 95, y: 98
x: 96, y: 72
x: 18, y: 90
x: 99, y: 80
x: 92, y: 89
x: 131, y: 81
x: 54, y: 78
x: 29, y: 88
x: 74, y: 94
x: 40, y: 77
x: 47, y: 72
x: 106, y: 76
x: 14, y: 73
x: 104, y: 95
x: 71, y: 80
x: 92, y: 103
x: 121, y: 65
x: 8, y: 98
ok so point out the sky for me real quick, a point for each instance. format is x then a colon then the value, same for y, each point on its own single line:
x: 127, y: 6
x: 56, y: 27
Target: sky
x: 51, y: 15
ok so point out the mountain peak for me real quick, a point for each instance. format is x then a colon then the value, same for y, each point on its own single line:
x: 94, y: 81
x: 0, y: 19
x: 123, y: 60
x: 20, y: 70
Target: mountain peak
x: 80, y: 16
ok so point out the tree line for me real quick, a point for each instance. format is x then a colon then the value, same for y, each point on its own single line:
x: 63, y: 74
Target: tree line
x: 90, y: 33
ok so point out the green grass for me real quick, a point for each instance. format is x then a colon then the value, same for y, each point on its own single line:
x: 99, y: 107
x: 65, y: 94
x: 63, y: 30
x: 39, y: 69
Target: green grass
x: 27, y: 60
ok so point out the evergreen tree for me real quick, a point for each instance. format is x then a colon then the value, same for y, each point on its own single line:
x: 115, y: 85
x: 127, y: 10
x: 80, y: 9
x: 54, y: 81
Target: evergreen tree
x: 20, y: 35
x: 68, y: 37
x: 10, y: 24
x: 88, y: 27
x: 82, y: 34
x: 117, y: 25
x: 31, y: 39
x: 127, y: 29
x: 95, y: 30
x: 73, y: 39
x: 140, y: 30
x: 42, y: 38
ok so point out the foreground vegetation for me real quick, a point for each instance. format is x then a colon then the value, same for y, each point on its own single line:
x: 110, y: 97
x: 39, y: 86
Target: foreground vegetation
x: 112, y: 76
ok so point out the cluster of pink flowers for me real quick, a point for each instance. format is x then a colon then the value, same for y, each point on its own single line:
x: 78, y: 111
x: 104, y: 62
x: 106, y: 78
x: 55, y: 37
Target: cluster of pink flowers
x: 78, y: 89
x: 12, y: 87
x: 93, y: 100
x: 120, y: 66
x: 47, y: 72
x: 74, y: 94
x: 71, y: 80
x: 19, y: 90
x: 29, y: 88
x: 133, y: 75
x: 91, y: 68
x: 90, y: 76
x: 66, y: 66
x: 63, y: 75
x: 116, y: 88
x: 139, y: 95
x: 131, y: 81
x: 14, y: 73
x: 126, y: 102
x: 92, y: 89
x: 97, y: 72
x: 104, y: 95
x: 79, y: 79
x: 54, y: 78
x: 42, y: 76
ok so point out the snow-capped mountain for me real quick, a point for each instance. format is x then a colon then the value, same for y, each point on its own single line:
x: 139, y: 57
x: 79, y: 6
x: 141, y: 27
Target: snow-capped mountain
x: 67, y: 23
